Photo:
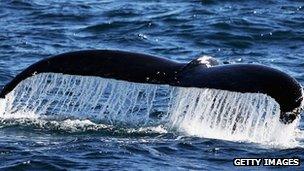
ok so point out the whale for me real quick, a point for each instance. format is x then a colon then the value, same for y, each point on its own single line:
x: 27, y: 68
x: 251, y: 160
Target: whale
x: 144, y: 68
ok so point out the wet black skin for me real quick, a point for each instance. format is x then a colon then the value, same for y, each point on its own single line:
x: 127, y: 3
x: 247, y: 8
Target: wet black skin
x: 141, y: 68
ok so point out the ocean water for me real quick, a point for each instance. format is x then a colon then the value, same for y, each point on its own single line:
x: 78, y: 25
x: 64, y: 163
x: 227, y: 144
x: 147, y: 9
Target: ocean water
x: 261, y: 32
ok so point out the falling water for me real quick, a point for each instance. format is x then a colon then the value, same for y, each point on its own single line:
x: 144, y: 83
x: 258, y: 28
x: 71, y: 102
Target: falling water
x: 229, y: 115
x: 194, y: 111
x: 58, y: 96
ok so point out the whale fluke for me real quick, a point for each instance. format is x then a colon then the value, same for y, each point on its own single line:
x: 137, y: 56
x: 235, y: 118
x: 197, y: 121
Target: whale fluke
x: 142, y: 68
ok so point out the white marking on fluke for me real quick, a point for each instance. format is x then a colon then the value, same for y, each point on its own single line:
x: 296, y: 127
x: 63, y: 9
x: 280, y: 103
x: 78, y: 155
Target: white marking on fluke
x: 208, y: 61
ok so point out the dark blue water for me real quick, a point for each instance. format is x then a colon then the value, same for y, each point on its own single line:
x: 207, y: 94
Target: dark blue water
x: 264, y: 32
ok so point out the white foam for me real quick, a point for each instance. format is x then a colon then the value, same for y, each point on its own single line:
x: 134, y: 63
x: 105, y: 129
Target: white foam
x: 199, y: 112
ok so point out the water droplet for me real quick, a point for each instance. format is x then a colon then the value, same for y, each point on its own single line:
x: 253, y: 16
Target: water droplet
x: 142, y: 36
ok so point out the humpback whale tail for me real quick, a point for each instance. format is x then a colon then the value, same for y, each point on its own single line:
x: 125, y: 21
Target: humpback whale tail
x: 125, y: 67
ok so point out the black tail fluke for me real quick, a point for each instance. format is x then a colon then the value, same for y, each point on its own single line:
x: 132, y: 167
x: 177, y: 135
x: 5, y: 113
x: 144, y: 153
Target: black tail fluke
x: 141, y: 68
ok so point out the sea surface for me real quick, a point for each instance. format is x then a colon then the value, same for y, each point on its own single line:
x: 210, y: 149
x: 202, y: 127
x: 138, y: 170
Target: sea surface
x: 262, y: 32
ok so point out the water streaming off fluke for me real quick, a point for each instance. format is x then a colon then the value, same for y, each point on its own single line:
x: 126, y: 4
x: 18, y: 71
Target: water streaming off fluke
x: 192, y: 111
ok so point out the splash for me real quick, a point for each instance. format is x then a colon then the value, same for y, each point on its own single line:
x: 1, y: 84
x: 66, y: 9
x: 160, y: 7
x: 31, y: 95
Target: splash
x: 57, y: 96
x: 230, y: 115
x: 199, y: 112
